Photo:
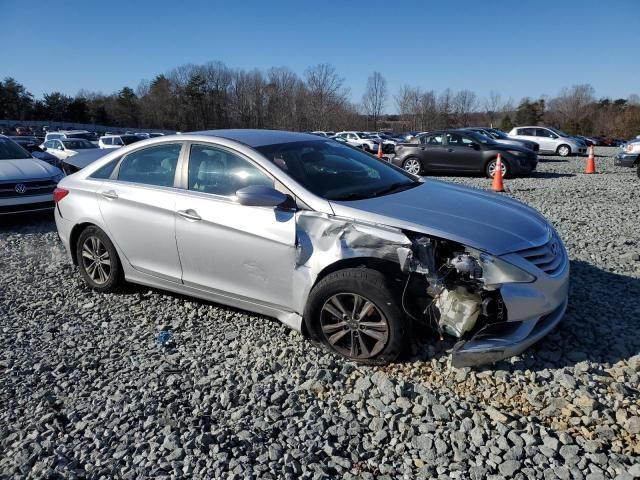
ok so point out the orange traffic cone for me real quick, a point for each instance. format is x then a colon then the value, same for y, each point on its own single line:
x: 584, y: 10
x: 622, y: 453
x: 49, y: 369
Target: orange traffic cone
x: 497, y: 185
x: 380, y: 150
x: 591, y: 163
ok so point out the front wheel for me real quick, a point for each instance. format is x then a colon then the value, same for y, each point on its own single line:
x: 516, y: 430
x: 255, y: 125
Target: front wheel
x: 412, y: 165
x: 354, y: 313
x: 490, y: 169
x: 564, y: 150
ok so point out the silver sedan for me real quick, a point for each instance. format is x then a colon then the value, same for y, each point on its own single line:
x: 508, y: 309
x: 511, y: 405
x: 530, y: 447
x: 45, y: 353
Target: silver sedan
x: 326, y: 238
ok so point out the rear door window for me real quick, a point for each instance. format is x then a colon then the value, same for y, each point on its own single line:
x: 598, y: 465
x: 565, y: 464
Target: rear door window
x: 151, y: 166
x: 530, y: 132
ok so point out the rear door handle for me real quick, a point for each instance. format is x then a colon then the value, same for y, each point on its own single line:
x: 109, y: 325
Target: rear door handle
x: 189, y: 214
x: 449, y: 149
x: 109, y: 194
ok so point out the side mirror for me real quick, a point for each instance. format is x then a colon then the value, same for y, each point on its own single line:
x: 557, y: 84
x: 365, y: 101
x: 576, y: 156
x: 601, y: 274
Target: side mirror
x: 260, y: 196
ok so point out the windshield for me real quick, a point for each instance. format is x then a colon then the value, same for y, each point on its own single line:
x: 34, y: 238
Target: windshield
x: 498, y: 134
x: 337, y: 172
x: 77, y: 144
x: 10, y: 150
x: 481, y: 137
x: 559, y: 132
x: 129, y: 139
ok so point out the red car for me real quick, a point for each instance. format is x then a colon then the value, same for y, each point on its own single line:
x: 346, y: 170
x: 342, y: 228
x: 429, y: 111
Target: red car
x: 24, y: 131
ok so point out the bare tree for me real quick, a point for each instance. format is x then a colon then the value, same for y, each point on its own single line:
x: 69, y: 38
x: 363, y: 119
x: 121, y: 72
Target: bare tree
x: 374, y: 97
x: 492, y: 106
x: 326, y: 93
x: 464, y: 103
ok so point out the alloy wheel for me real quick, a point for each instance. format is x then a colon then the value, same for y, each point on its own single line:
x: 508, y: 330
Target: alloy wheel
x: 492, y: 168
x: 563, y: 151
x: 412, y: 166
x: 354, y: 326
x: 96, y: 260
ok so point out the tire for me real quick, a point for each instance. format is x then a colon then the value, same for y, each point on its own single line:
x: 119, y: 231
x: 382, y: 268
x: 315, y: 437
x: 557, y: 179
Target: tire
x: 413, y: 165
x: 106, y: 276
x: 330, y: 320
x: 489, y: 169
x: 638, y: 170
x: 563, y: 150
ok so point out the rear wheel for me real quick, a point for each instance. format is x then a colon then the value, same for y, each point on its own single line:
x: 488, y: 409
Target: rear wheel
x: 412, y: 165
x: 354, y: 313
x: 98, y: 260
x: 564, y: 150
x: 490, y: 169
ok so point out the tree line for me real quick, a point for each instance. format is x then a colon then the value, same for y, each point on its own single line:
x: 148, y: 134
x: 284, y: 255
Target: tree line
x: 197, y: 97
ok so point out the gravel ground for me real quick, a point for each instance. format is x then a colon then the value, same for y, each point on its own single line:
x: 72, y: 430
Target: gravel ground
x: 86, y: 391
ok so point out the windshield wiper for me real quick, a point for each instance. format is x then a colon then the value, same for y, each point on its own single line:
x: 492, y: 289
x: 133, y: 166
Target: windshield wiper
x: 395, y: 187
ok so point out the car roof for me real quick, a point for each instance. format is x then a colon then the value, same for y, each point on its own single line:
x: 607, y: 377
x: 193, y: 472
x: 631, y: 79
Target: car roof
x: 258, y: 138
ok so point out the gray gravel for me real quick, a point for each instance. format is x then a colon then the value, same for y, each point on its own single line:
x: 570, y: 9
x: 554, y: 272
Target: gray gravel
x: 85, y: 390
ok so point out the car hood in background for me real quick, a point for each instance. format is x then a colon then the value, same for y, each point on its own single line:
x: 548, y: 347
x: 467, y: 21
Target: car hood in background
x: 84, y: 158
x: 482, y: 220
x: 26, y: 169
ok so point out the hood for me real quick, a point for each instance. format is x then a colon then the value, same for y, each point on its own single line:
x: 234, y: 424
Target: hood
x: 479, y: 219
x: 26, y: 169
x: 516, y: 143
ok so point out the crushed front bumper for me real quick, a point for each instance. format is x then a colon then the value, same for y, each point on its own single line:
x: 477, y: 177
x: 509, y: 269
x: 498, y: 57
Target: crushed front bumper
x: 497, y: 341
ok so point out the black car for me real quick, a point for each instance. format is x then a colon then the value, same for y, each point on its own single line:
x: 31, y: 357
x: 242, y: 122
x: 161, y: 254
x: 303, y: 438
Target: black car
x: 32, y: 145
x: 449, y: 151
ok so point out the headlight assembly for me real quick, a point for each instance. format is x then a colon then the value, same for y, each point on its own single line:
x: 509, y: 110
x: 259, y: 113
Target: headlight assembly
x: 496, y: 271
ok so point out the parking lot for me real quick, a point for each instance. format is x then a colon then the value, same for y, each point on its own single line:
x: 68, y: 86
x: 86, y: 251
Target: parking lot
x: 88, y: 391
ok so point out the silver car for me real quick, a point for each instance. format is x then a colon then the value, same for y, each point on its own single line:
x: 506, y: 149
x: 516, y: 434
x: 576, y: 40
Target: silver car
x: 26, y: 183
x: 551, y: 140
x: 345, y: 248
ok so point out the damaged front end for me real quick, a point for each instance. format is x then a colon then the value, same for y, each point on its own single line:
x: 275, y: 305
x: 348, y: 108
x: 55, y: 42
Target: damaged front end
x: 453, y: 288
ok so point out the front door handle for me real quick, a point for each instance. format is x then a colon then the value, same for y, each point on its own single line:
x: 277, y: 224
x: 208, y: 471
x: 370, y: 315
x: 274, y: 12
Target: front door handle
x: 109, y: 194
x: 189, y: 214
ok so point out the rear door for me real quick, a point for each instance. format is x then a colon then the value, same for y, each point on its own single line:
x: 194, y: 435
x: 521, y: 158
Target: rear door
x: 227, y: 248
x: 138, y: 208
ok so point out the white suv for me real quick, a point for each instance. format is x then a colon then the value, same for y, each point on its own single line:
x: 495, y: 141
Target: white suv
x: 551, y: 140
x: 360, y: 139
x: 117, y: 141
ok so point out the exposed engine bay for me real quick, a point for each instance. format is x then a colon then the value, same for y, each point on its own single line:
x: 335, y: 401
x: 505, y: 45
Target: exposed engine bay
x: 450, y: 287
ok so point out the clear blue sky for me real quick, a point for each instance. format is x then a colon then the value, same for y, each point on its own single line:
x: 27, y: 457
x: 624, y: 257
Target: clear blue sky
x: 517, y: 48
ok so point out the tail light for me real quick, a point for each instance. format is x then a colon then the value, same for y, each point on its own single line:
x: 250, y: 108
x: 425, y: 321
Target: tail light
x: 59, y: 194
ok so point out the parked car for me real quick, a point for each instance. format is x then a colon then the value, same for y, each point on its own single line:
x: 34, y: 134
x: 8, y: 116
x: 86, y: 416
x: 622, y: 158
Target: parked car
x: 500, y: 137
x: 388, y: 143
x: 449, y: 151
x: 589, y: 142
x: 22, y: 130
x: 32, y: 145
x: 323, y: 133
x: 343, y: 141
x: 117, y: 141
x: 551, y: 140
x: 26, y: 183
x: 81, y: 159
x: 320, y: 236
x: 66, y: 147
x: 360, y: 139
x: 60, y: 134
x: 629, y: 155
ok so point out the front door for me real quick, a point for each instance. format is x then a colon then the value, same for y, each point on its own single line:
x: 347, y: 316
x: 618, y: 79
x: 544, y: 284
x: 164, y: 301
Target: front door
x: 461, y: 155
x: 227, y: 248
x: 138, y: 208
